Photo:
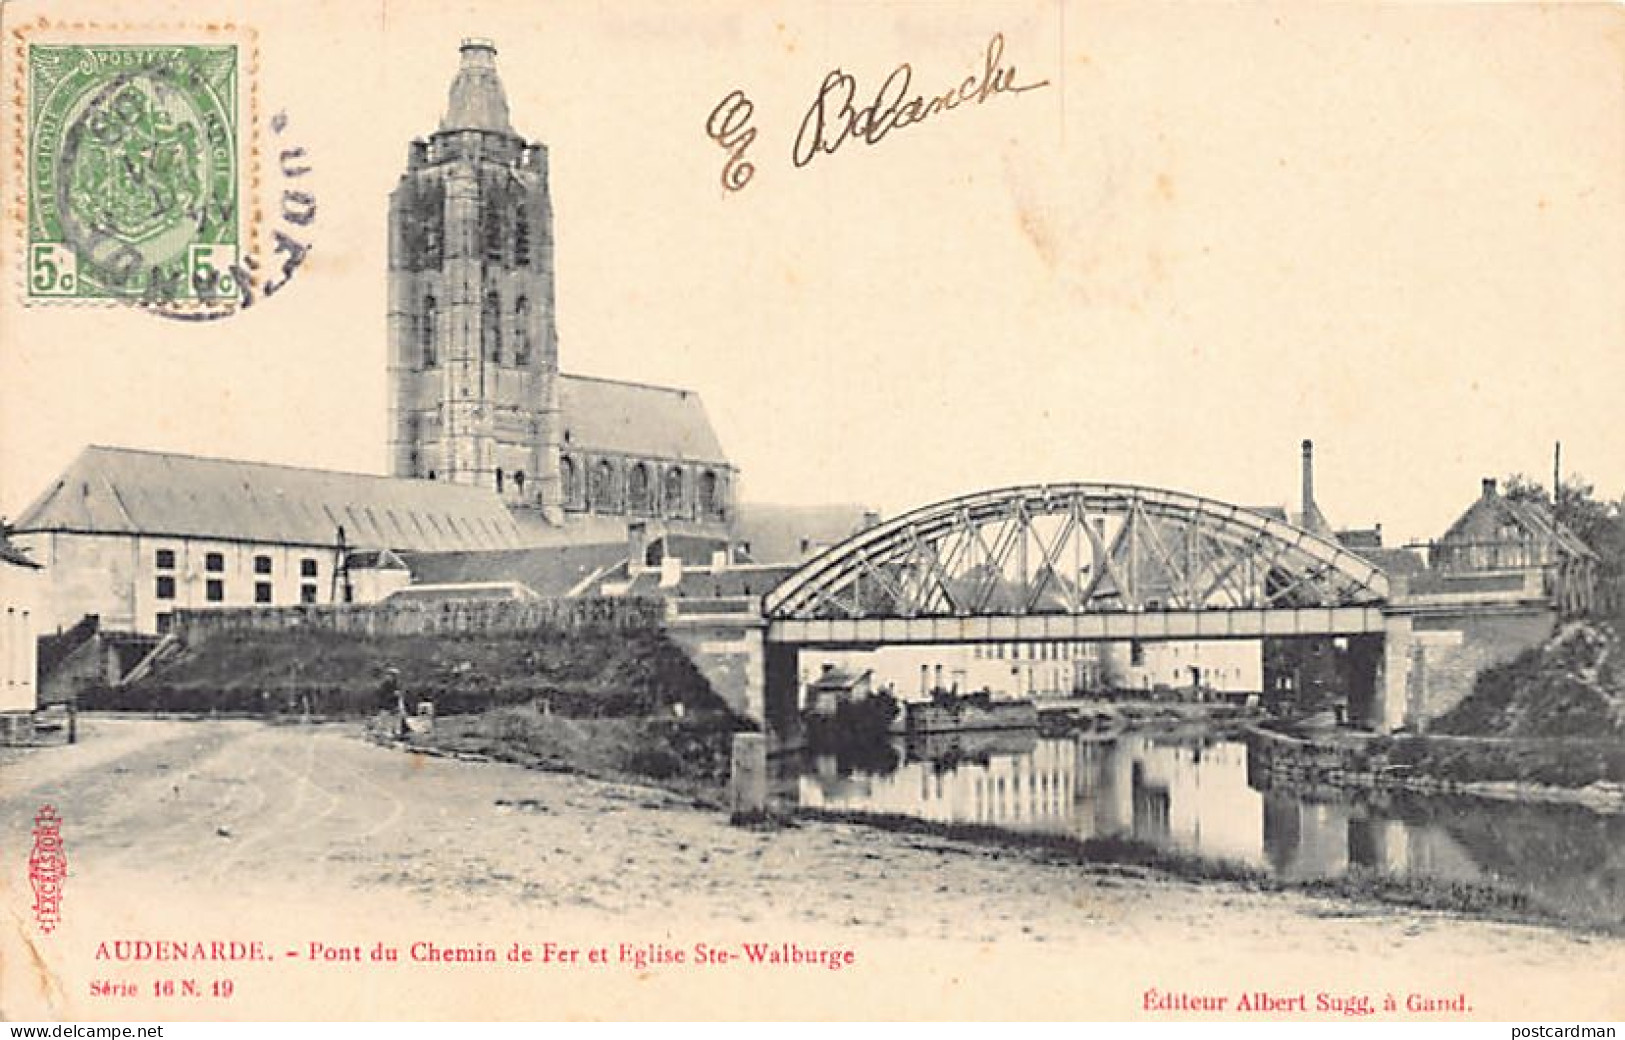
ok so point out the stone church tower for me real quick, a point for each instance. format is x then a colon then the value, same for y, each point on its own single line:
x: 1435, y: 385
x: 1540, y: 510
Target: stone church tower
x: 473, y: 343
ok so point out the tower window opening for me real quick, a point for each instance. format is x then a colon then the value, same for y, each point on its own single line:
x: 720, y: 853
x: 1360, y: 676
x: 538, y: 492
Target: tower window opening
x: 491, y: 228
x: 491, y: 328
x: 521, y: 331
x: 499, y: 479
x: 426, y: 323
x: 521, y: 236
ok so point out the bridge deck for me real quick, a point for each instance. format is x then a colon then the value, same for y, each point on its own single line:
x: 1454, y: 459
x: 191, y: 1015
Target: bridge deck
x: 1141, y: 625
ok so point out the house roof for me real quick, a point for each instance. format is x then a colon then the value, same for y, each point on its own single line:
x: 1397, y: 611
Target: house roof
x: 835, y: 677
x: 1392, y: 561
x: 636, y: 419
x: 130, y: 491
x: 775, y: 533
x: 550, y: 571
x: 1483, y: 520
x: 374, y: 559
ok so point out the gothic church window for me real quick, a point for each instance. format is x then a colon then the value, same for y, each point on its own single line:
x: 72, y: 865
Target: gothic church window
x: 521, y: 236
x: 491, y: 328
x: 426, y: 322
x: 571, y: 479
x: 639, y: 493
x: 604, y: 498
x: 709, y: 506
x: 674, y: 492
x: 521, y: 331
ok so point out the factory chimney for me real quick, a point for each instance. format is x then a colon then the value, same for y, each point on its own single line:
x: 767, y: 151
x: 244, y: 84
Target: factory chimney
x: 1307, y: 506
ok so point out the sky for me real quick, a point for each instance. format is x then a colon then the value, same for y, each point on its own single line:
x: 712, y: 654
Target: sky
x: 1216, y: 231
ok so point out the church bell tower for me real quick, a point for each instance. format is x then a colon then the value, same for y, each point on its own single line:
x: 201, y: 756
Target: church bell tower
x: 473, y: 342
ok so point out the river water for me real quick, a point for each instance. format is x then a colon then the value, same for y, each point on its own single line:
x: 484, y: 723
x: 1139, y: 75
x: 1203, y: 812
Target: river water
x: 1197, y: 796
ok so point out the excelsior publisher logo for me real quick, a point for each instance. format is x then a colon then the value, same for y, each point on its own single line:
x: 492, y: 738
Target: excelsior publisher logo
x: 47, y: 868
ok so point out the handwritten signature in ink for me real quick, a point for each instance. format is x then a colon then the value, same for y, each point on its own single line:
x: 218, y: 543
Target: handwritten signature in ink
x: 838, y: 115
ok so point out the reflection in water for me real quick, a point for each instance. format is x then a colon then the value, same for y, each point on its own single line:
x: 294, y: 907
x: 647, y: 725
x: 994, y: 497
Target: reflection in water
x: 1194, y: 796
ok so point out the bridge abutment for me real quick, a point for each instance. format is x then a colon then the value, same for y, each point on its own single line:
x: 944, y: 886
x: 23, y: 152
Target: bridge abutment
x: 1439, y: 637
x: 727, y: 646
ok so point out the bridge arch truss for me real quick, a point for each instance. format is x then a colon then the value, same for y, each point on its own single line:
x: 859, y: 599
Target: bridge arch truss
x: 1077, y: 561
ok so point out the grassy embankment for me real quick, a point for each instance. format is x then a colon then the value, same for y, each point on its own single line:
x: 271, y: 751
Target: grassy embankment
x: 1554, y: 716
x: 1556, y: 713
x: 1571, y: 686
x: 605, y: 703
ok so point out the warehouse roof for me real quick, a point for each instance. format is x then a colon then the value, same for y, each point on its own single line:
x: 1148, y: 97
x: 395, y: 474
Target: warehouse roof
x: 130, y: 491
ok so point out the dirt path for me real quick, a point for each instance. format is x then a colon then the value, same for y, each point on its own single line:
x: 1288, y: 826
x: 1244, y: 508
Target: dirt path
x: 288, y: 836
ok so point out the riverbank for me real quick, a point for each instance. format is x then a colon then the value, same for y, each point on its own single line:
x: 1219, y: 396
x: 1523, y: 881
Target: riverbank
x: 687, y: 754
x: 1486, y: 900
x: 646, y: 751
x: 294, y: 834
x: 1589, y: 773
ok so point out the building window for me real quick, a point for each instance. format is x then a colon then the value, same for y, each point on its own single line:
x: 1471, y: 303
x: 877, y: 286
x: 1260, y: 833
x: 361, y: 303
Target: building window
x: 262, y: 565
x: 521, y: 331
x: 639, y: 492
x: 499, y: 480
x: 215, y: 590
x: 307, y: 593
x: 166, y: 586
x: 307, y: 568
x: 262, y: 592
x: 491, y: 327
x: 163, y: 622
x: 165, y: 559
x: 521, y: 235
x: 214, y: 562
x: 426, y: 322
x: 1136, y: 654
x: 519, y: 481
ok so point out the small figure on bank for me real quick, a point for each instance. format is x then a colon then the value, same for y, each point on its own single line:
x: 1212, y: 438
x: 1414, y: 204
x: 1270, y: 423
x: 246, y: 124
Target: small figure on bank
x: 390, y: 690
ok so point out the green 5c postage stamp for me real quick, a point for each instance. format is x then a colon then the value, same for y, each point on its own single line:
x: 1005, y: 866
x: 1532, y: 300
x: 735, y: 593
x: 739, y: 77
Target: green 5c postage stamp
x: 133, y: 189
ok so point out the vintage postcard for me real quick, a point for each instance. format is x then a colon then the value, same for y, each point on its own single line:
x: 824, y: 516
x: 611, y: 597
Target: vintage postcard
x: 1006, y: 509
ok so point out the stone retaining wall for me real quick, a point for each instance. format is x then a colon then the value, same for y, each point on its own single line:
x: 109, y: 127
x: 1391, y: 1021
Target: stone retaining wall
x: 450, y: 617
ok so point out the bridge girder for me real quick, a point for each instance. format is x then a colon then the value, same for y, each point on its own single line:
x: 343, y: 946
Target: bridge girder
x: 1075, y: 549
